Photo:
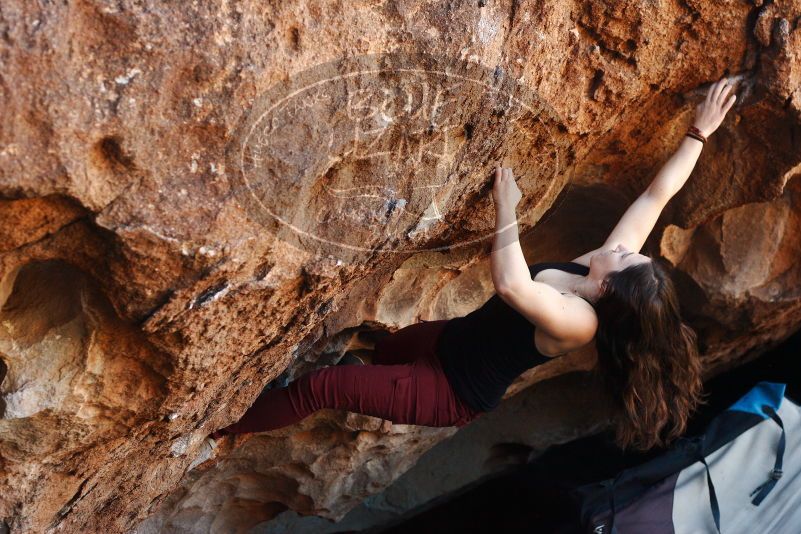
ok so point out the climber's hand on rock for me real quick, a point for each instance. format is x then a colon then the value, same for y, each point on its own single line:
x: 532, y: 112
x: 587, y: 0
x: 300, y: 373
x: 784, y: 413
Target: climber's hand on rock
x: 710, y: 113
x: 505, y: 192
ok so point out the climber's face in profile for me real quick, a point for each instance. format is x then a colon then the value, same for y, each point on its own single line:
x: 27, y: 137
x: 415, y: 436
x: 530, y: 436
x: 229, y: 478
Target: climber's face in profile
x: 616, y: 259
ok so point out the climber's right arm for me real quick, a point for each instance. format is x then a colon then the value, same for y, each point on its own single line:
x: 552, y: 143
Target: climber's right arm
x: 639, y: 219
x: 708, y: 116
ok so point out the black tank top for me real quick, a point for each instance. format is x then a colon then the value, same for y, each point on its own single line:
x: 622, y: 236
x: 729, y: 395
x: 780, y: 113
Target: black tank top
x: 484, y: 351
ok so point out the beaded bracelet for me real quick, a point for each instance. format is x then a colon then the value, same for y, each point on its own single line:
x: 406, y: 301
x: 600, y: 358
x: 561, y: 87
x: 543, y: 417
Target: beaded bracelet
x: 695, y: 133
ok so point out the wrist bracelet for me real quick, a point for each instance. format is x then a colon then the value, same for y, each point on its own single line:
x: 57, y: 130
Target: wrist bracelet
x: 695, y: 133
x: 696, y: 136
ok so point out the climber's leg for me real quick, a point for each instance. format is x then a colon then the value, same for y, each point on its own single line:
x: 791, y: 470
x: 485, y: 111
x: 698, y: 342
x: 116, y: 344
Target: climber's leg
x: 366, y: 389
x: 408, y: 343
x: 416, y: 393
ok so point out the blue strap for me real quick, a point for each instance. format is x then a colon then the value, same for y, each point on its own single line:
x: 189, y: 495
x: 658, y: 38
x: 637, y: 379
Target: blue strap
x: 713, y: 499
x: 763, y: 490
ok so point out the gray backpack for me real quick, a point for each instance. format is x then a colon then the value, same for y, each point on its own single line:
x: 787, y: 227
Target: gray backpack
x: 741, y: 475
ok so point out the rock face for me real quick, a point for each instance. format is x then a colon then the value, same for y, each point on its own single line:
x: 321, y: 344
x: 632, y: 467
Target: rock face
x: 197, y: 198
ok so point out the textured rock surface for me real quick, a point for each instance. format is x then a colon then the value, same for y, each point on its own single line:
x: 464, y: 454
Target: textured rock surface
x: 520, y: 429
x: 150, y: 291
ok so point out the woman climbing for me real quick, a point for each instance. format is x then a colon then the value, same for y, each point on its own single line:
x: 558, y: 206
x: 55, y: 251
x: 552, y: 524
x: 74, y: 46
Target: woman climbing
x: 445, y: 373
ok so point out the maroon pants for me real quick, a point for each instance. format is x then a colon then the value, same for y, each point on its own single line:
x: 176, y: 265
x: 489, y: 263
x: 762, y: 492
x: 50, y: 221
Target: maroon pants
x: 405, y: 384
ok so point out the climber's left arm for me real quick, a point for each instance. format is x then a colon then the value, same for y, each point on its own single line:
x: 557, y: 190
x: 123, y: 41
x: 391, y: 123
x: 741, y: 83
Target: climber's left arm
x: 569, y: 321
x: 507, y: 264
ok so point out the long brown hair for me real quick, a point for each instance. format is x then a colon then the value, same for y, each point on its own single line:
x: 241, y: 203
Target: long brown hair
x: 647, y: 356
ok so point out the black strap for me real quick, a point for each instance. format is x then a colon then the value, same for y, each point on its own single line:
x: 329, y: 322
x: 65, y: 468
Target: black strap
x: 713, y: 499
x: 612, y: 529
x: 763, y: 490
x: 610, y: 491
